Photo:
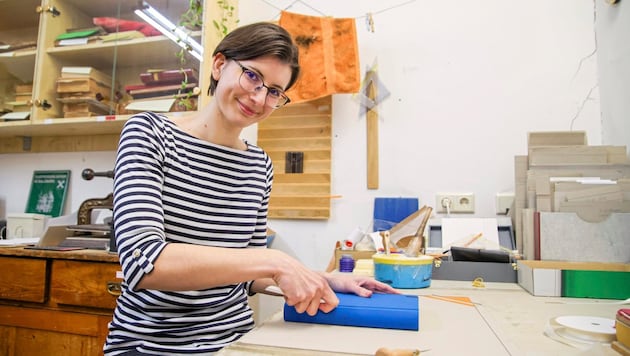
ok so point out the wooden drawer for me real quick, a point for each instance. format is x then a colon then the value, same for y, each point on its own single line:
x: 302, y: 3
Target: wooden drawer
x: 87, y: 284
x: 23, y: 279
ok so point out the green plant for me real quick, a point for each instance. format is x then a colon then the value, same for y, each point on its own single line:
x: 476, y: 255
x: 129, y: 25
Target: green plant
x: 191, y: 20
x: 228, y: 13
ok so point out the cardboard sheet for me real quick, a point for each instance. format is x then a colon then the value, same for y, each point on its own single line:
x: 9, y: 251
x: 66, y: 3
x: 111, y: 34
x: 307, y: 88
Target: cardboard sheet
x: 439, y: 327
x: 460, y: 231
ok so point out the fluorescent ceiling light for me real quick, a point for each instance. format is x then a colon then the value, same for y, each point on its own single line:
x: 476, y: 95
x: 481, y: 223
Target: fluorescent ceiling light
x: 169, y: 29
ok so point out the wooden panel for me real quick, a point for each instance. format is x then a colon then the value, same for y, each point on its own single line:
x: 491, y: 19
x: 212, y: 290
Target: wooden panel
x: 59, y: 144
x: 28, y: 285
x: 38, y: 342
x: 312, y: 166
x: 301, y: 201
x: 83, y: 284
x: 51, y: 332
x: 303, y: 131
x: 301, y: 189
x: 308, y: 155
x: 307, y: 128
x: 301, y: 178
x: 48, y: 319
x: 299, y: 213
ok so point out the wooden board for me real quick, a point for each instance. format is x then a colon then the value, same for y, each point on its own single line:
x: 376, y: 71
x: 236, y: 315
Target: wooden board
x: 556, y: 138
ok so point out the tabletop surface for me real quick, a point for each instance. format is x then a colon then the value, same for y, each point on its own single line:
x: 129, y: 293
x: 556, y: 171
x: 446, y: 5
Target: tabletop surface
x: 503, y: 320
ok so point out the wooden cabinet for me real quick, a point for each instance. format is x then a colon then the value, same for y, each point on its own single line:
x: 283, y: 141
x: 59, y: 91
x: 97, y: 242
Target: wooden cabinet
x: 56, y: 303
x: 36, y: 25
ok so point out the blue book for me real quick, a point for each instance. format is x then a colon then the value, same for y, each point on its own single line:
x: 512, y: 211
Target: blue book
x: 384, y: 311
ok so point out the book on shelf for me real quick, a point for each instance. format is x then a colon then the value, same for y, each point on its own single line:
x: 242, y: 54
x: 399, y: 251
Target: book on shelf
x: 86, y: 72
x: 14, y: 116
x: 23, y: 97
x: 154, y: 105
x: 122, y: 36
x: 23, y: 88
x: 81, y: 85
x: 80, y: 33
x: 169, y: 103
x: 173, y: 76
x: 150, y: 91
x: 11, y: 47
x: 77, y: 41
x: 91, y: 106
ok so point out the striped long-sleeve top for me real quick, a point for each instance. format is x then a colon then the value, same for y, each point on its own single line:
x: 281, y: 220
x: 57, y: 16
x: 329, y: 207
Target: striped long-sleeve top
x: 172, y: 187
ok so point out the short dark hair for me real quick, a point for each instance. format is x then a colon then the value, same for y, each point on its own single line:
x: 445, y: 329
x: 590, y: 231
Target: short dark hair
x: 256, y: 40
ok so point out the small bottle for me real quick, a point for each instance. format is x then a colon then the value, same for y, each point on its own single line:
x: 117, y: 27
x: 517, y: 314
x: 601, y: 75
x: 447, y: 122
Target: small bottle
x: 346, y: 263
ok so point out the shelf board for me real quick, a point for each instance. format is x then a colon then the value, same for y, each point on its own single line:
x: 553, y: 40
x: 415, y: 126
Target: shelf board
x: 153, y: 51
x: 63, y: 127
x: 19, y: 64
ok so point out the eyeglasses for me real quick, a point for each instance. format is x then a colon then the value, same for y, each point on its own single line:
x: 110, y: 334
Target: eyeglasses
x: 251, y: 82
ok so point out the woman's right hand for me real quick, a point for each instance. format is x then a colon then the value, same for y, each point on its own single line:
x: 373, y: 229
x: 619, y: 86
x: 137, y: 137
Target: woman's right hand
x: 305, y: 290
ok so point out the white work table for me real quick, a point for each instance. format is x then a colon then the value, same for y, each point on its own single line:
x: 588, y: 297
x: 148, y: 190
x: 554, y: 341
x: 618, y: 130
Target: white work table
x: 505, y: 320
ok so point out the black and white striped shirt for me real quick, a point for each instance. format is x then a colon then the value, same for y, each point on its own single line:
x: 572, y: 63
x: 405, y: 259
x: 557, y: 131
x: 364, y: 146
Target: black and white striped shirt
x: 172, y: 187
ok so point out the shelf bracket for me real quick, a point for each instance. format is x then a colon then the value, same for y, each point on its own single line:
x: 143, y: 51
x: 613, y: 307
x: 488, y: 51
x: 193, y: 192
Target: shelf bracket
x: 27, y: 143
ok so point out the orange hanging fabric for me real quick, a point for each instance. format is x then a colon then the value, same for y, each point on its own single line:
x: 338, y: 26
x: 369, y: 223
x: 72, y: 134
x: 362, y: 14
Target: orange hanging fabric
x: 328, y: 55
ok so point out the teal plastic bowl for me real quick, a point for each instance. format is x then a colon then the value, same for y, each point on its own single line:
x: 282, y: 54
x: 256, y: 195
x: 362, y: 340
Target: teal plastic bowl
x: 401, y: 271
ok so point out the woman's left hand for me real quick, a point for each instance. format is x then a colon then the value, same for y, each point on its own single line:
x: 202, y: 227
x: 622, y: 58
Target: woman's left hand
x: 360, y: 285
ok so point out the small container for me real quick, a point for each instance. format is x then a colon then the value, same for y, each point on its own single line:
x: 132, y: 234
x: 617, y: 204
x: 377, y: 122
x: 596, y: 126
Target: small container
x: 25, y: 225
x: 346, y: 263
x: 401, y: 271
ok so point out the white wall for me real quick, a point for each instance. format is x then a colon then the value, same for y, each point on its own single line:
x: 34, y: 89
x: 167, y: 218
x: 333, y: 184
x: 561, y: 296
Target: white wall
x: 613, y: 37
x: 468, y: 80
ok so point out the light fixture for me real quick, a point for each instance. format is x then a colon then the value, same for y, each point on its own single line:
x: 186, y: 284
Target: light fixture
x: 169, y: 29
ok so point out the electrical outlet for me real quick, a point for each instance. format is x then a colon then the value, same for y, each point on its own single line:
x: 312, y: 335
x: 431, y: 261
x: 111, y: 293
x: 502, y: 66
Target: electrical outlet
x: 504, y: 202
x: 457, y: 202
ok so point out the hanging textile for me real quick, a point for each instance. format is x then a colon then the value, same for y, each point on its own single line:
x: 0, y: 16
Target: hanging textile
x: 329, y: 55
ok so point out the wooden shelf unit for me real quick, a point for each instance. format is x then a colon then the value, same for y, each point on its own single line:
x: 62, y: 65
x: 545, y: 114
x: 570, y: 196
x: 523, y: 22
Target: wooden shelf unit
x: 124, y: 60
x: 307, y: 128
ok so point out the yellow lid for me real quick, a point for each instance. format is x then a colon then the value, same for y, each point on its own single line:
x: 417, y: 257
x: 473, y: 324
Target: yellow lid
x: 401, y: 259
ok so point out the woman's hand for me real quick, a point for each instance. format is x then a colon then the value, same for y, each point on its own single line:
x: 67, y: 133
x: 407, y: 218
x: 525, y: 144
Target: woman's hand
x: 360, y: 285
x: 305, y: 290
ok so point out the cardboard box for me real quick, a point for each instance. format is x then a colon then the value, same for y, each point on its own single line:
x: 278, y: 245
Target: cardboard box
x: 567, y: 237
x: 25, y: 225
x: 575, y: 279
x: 469, y: 271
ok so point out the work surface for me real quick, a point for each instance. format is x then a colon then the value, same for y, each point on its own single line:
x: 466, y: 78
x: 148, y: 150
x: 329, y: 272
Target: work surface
x: 505, y: 320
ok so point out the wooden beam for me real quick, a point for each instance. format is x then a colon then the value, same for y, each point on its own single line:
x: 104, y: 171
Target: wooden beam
x: 372, y: 140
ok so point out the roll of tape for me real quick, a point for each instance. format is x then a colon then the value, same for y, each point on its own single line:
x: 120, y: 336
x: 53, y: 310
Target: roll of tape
x: 578, y: 331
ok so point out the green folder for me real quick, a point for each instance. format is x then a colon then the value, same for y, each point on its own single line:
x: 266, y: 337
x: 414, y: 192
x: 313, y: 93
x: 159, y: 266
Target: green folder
x: 77, y: 34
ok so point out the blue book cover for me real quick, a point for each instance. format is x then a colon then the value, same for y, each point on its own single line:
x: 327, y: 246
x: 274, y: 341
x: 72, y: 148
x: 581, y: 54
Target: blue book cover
x: 385, y: 311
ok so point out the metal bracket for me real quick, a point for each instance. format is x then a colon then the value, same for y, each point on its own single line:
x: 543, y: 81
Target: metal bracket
x: 27, y: 143
x: 53, y: 10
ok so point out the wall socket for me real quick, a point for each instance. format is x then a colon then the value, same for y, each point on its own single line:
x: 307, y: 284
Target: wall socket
x: 459, y: 202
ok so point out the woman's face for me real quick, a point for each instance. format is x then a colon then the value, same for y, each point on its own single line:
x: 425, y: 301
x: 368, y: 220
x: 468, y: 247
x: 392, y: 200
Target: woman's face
x: 240, y: 106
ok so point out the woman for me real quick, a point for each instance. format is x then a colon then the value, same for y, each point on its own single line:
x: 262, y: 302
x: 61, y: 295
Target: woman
x: 190, y: 212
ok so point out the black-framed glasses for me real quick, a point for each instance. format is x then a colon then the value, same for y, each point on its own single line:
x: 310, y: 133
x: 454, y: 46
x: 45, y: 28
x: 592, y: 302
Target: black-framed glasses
x: 253, y: 83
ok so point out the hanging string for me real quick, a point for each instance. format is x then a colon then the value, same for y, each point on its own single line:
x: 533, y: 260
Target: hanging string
x: 368, y: 16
